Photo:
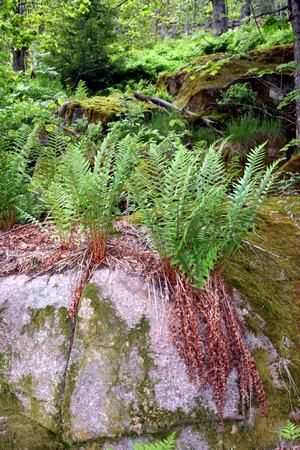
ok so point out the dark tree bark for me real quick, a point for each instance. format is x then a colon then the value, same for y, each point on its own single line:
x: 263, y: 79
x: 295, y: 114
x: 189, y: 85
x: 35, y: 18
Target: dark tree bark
x: 246, y: 11
x: 19, y: 54
x: 19, y: 60
x: 220, y: 17
x: 294, y: 16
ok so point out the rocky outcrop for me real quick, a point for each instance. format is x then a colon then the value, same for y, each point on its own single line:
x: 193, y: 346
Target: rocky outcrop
x: 114, y: 377
x: 95, y: 109
x: 198, y: 86
x: 102, y: 109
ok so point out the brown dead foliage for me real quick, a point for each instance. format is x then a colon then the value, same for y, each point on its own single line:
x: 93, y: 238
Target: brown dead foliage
x: 29, y: 249
x: 210, y: 338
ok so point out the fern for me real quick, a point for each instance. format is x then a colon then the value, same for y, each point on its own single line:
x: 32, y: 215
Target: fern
x: 166, y: 444
x: 14, y: 178
x: 290, y: 431
x: 81, y: 91
x: 195, y: 216
x: 84, y: 195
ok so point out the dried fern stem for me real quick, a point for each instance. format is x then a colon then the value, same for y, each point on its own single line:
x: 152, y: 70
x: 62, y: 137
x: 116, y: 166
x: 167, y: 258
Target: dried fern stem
x: 209, y: 337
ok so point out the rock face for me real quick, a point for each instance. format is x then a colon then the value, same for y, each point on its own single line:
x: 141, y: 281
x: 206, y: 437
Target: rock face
x: 94, y: 109
x: 115, y: 378
x: 102, y: 109
x: 198, y: 86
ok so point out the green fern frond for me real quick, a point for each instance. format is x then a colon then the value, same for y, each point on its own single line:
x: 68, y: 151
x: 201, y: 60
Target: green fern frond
x: 195, y: 216
x: 81, y: 91
x: 15, y: 176
x: 85, y: 195
x: 166, y: 444
x: 290, y: 431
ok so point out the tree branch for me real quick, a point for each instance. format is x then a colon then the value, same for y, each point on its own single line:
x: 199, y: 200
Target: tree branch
x: 256, y: 23
x: 167, y: 105
x: 271, y: 12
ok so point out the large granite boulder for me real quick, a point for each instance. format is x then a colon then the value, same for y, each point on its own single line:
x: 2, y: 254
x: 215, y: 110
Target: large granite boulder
x: 114, y: 377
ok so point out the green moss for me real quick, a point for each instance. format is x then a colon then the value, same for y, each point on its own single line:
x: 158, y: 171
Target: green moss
x: 19, y: 430
x: 64, y: 324
x: 266, y: 271
x: 263, y: 434
x: 95, y: 109
x: 27, y: 382
x: 66, y: 402
x: 21, y: 433
x: 37, y: 410
x: 38, y: 319
x: 198, y: 86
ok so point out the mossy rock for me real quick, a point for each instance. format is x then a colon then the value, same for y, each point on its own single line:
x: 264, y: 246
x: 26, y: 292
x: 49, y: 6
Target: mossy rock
x: 101, y: 108
x: 266, y: 273
x: 199, y: 85
x: 118, y: 375
x: 95, y: 109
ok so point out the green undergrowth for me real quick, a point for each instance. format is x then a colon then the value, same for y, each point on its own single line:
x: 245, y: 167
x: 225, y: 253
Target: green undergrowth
x: 248, y: 127
x: 174, y: 54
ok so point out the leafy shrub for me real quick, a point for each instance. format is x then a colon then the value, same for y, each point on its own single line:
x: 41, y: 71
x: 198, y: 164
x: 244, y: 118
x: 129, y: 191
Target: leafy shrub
x: 289, y: 98
x: 238, y: 94
x: 173, y: 54
x: 27, y: 101
x: 148, y: 62
x: 196, y: 218
x: 247, y: 37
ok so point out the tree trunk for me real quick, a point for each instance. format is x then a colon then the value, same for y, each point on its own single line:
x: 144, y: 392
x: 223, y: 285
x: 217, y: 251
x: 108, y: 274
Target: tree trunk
x: 246, y: 11
x: 19, y: 60
x: 220, y: 17
x: 19, y: 54
x: 294, y: 15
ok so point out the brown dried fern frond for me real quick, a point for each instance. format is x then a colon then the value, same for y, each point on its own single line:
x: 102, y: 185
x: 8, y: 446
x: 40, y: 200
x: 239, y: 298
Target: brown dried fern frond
x: 210, y: 338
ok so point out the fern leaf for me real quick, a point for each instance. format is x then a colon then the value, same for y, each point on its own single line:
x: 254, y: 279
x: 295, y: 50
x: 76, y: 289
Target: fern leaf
x: 166, y: 444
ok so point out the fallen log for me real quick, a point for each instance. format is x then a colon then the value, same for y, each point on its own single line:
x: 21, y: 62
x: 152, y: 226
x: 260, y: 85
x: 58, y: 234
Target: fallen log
x: 167, y: 105
x: 160, y: 102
